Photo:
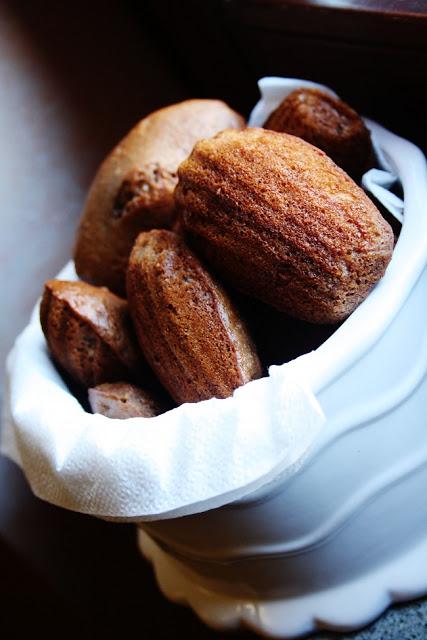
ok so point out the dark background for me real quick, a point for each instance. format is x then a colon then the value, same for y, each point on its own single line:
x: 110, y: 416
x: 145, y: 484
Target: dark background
x: 68, y: 575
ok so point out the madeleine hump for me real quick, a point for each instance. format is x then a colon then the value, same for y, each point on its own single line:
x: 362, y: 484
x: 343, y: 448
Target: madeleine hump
x: 281, y: 222
x: 187, y: 327
x: 89, y: 333
x: 133, y: 189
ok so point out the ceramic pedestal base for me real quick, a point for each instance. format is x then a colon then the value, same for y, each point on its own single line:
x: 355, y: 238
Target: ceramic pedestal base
x: 346, y: 607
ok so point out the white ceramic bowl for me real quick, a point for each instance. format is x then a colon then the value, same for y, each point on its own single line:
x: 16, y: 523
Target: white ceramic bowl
x: 333, y: 545
x: 330, y: 544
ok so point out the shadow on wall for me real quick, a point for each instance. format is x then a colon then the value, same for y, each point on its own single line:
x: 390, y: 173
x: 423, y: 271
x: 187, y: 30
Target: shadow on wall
x: 103, y: 61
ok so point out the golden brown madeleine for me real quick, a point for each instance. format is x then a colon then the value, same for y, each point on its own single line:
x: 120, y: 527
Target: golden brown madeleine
x: 283, y: 223
x: 328, y: 123
x: 133, y: 189
x: 123, y: 400
x: 186, y: 325
x: 88, y: 332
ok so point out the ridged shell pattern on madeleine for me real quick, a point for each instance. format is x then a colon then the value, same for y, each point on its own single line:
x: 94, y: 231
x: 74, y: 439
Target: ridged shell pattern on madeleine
x: 281, y: 222
x: 88, y: 331
x: 187, y: 327
x: 133, y: 188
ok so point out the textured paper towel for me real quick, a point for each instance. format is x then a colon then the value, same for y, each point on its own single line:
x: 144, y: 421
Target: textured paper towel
x: 191, y: 459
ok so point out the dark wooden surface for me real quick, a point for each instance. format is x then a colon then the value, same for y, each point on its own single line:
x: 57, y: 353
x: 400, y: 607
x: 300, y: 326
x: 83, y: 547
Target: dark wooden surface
x: 67, y: 575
